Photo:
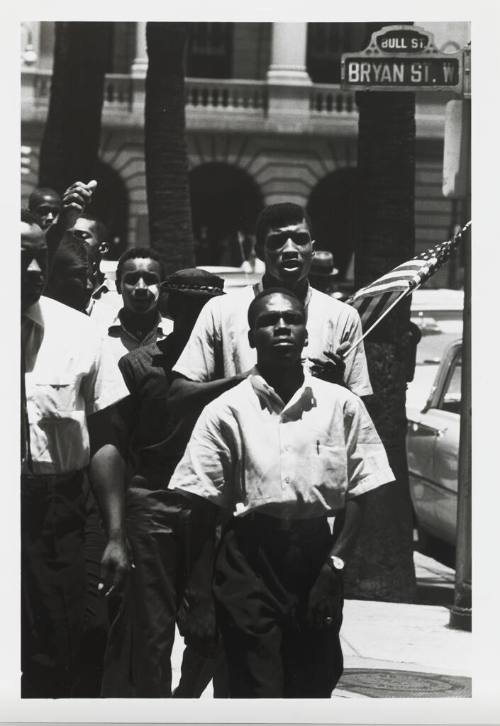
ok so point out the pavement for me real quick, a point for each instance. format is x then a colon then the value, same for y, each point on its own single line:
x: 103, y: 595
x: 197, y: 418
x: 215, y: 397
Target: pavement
x: 399, y: 650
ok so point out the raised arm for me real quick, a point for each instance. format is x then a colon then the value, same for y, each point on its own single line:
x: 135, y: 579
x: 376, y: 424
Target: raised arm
x: 187, y: 396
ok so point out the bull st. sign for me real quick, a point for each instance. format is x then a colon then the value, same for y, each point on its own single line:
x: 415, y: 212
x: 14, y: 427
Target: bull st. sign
x: 402, y: 58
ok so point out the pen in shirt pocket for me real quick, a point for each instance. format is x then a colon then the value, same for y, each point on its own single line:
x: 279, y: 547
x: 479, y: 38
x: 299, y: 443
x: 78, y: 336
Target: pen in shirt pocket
x: 317, y: 447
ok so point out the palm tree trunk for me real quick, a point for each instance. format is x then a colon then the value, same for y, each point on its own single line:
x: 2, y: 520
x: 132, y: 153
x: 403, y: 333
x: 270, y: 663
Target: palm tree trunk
x: 165, y: 146
x: 382, y: 566
x: 72, y: 132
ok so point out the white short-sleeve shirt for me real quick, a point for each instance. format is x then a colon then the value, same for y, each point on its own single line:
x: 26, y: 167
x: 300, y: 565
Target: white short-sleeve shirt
x: 249, y: 451
x: 70, y: 374
x: 218, y: 346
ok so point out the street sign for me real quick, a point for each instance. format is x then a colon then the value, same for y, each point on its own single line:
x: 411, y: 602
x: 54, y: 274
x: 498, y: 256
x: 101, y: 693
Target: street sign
x: 402, y: 58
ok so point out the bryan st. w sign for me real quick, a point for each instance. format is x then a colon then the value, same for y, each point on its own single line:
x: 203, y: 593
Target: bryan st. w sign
x: 402, y: 57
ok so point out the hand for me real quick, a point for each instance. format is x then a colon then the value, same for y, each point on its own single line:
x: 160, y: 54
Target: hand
x: 114, y: 566
x: 325, y: 599
x: 331, y: 370
x: 196, y: 621
x: 75, y: 199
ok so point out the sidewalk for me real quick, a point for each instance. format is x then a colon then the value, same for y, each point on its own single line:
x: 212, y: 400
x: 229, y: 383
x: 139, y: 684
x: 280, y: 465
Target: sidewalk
x: 396, y: 650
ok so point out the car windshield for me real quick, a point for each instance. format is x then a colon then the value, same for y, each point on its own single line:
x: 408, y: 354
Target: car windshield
x: 438, y: 329
x: 438, y: 314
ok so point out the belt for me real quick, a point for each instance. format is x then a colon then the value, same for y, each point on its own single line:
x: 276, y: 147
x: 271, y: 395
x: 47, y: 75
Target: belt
x: 280, y: 524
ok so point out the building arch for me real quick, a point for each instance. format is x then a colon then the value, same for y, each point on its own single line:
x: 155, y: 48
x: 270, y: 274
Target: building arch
x: 333, y: 208
x: 225, y: 203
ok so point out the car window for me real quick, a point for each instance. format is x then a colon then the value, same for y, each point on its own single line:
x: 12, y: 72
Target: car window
x: 438, y: 331
x: 451, y: 398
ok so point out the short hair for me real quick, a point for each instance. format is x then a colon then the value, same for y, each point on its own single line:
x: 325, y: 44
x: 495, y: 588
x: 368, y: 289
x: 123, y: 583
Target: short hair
x: 101, y: 229
x: 252, y: 309
x: 138, y: 253
x: 278, y: 215
x: 29, y: 217
x: 39, y: 193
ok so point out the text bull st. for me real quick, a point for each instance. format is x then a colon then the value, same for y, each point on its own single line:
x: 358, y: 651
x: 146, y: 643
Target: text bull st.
x: 404, y: 72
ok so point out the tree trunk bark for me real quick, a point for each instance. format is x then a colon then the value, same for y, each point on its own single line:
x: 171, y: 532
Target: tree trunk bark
x: 167, y: 181
x: 70, y: 143
x: 382, y: 566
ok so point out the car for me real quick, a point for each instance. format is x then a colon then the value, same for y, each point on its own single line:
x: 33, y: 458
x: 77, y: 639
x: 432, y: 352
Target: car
x: 438, y: 315
x: 234, y: 277
x: 432, y: 445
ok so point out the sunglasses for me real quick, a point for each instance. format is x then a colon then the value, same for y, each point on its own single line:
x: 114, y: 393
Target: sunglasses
x: 277, y: 240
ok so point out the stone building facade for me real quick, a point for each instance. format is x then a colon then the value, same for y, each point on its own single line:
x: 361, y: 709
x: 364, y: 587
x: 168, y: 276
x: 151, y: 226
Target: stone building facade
x: 266, y: 121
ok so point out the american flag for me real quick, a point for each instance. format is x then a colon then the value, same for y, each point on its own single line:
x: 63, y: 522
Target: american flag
x: 375, y: 299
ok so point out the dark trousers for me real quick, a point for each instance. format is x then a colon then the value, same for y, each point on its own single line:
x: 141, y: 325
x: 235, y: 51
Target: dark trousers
x: 264, y: 572
x: 52, y: 584
x: 96, y: 617
x: 138, y: 654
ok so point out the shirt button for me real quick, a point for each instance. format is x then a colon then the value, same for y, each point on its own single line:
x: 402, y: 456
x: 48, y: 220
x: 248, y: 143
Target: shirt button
x: 287, y: 480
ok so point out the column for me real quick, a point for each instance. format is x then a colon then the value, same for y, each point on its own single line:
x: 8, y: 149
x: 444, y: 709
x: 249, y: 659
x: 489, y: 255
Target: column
x: 30, y: 43
x: 287, y: 78
x: 140, y: 64
x: 288, y: 54
x: 30, y: 62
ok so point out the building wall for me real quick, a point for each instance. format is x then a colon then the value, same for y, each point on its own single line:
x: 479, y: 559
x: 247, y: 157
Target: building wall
x: 283, y: 165
x: 284, y: 168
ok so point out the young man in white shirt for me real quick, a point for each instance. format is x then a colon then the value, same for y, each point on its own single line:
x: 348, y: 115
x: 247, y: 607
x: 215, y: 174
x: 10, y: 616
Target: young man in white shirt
x: 218, y: 356
x: 69, y: 387
x: 139, y: 275
x: 282, y: 451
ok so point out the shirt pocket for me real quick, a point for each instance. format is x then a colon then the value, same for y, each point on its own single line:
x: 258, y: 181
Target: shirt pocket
x: 328, y: 466
x: 52, y: 398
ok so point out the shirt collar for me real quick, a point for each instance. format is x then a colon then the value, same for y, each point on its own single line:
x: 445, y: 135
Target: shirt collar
x: 117, y: 325
x: 34, y: 313
x: 303, y: 396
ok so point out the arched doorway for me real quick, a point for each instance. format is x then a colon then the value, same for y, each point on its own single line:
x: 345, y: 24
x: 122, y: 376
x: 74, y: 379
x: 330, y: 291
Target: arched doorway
x: 225, y: 202
x: 110, y: 205
x: 333, y: 209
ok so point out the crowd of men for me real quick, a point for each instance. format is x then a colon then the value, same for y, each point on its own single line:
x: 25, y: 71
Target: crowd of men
x: 182, y: 459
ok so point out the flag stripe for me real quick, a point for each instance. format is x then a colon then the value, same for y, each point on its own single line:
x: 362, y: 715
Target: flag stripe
x: 374, y: 299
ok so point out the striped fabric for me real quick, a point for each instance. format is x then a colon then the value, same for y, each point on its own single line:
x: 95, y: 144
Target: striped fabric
x: 373, y: 300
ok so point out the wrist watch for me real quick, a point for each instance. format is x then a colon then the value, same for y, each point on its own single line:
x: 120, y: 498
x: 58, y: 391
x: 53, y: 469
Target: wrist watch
x: 336, y: 563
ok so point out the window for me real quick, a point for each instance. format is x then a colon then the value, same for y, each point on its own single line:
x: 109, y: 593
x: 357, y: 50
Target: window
x: 209, y: 50
x: 325, y: 44
x: 451, y: 398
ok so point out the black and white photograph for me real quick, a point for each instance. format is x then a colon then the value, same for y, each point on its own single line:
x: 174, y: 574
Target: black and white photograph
x: 245, y: 369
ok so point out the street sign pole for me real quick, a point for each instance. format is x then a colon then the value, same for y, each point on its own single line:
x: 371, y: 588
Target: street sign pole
x: 405, y: 58
x: 461, y: 612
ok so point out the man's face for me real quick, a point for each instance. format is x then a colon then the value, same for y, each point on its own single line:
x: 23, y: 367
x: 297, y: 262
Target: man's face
x: 48, y: 209
x: 75, y: 287
x: 279, y: 332
x: 288, y: 252
x: 86, y: 230
x: 140, y: 285
x: 34, y: 262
